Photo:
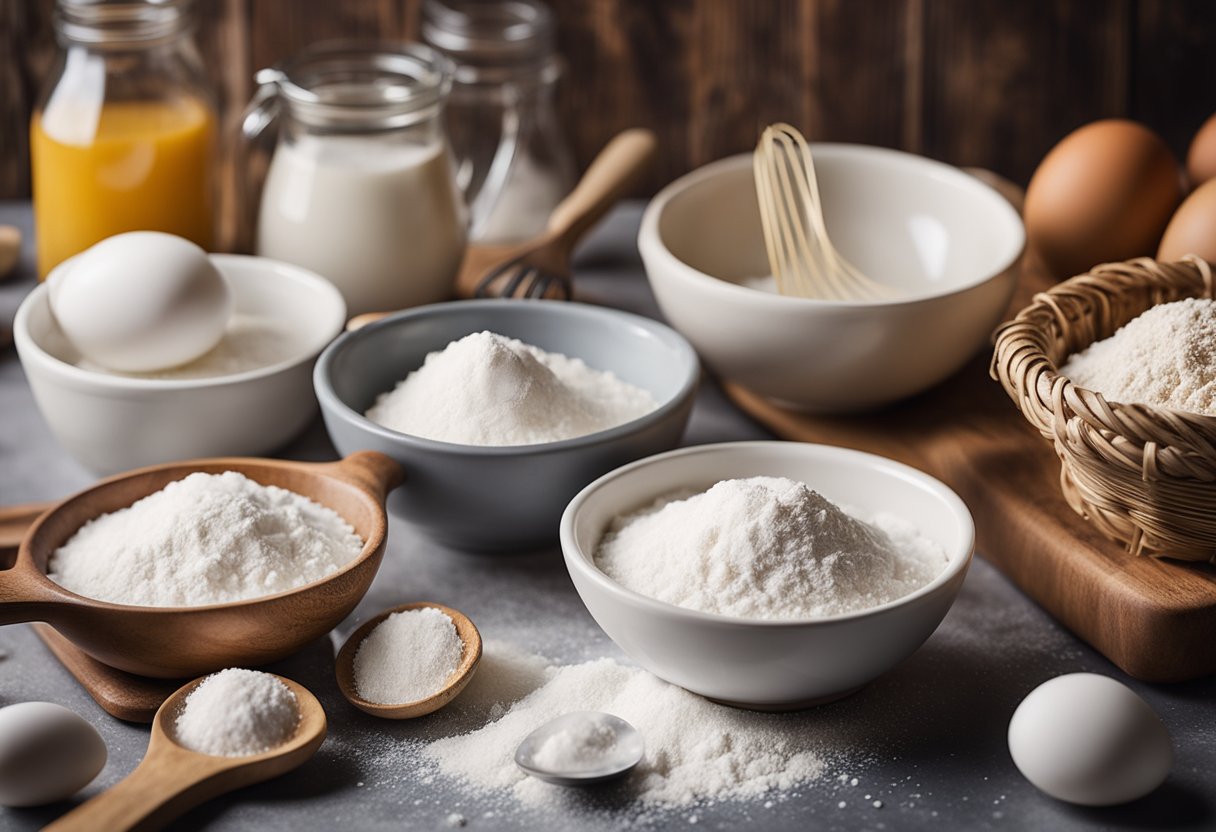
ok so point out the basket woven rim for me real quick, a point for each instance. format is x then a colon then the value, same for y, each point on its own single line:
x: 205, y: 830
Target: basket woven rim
x: 1003, y: 338
x: 1143, y: 474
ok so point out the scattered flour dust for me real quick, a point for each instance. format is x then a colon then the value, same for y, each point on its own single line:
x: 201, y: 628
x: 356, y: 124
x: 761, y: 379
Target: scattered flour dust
x: 487, y: 389
x: 1166, y: 357
x: 205, y: 539
x: 766, y: 548
x: 695, y: 750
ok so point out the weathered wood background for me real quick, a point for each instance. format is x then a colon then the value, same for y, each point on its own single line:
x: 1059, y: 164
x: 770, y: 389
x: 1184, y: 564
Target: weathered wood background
x: 991, y: 83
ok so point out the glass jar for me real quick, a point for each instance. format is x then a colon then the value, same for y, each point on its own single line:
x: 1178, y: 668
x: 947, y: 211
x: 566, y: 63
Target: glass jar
x: 515, y: 164
x: 123, y: 137
x: 360, y: 187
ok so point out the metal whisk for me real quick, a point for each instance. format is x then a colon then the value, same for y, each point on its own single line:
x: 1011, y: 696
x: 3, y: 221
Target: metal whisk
x: 543, y: 270
x: 800, y: 253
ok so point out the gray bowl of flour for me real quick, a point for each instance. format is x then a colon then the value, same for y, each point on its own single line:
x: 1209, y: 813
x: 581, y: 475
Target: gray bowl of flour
x: 503, y: 497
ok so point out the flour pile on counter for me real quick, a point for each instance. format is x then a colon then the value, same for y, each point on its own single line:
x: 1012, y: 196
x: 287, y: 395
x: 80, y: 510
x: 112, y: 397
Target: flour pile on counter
x: 205, y: 539
x: 236, y: 713
x: 487, y: 389
x: 767, y: 548
x: 695, y: 749
x: 1166, y: 357
x: 408, y: 656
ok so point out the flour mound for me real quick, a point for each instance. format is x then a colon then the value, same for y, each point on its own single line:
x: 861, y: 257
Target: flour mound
x: 205, y: 539
x: 695, y: 749
x: 765, y: 548
x: 1166, y: 357
x: 408, y: 656
x: 487, y: 389
x: 236, y: 713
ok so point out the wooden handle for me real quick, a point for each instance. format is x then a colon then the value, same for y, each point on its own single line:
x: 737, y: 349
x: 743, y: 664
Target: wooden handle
x: 371, y: 470
x: 611, y: 174
x: 25, y: 595
x: 163, y: 787
x: 10, y: 249
x: 360, y: 321
x: 14, y: 520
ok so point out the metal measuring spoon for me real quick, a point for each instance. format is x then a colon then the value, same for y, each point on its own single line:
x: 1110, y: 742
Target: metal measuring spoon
x: 624, y: 752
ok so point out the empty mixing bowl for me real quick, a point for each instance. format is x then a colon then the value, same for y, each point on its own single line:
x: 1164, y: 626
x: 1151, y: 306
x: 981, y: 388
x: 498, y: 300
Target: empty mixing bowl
x: 943, y: 241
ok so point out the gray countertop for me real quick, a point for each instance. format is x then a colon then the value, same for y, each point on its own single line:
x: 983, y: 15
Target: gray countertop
x: 928, y: 739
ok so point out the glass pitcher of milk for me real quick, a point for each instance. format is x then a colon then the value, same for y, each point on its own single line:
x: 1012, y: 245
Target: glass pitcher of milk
x: 360, y: 187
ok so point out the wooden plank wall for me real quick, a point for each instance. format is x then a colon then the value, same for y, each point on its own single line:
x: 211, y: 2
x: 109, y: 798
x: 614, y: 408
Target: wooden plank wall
x: 973, y: 82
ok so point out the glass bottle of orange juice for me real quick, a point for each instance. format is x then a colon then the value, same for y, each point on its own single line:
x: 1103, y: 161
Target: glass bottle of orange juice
x: 124, y: 136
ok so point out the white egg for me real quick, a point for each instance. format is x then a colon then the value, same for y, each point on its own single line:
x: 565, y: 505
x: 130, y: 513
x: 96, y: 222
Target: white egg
x: 47, y: 753
x: 141, y: 302
x: 1089, y: 739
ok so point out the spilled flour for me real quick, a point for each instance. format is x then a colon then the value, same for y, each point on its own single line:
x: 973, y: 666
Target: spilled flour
x: 695, y: 749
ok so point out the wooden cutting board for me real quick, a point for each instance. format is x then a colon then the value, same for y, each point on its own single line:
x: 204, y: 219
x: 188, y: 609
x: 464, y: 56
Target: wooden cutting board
x: 1156, y: 619
x: 120, y: 694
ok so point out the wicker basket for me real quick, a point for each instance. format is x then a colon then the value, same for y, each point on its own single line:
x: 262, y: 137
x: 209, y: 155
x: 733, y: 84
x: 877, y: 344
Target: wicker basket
x: 1144, y: 476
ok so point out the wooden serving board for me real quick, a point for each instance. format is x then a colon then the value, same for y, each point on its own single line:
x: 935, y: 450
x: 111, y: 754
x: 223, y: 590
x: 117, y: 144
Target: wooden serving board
x: 120, y: 694
x: 1156, y: 619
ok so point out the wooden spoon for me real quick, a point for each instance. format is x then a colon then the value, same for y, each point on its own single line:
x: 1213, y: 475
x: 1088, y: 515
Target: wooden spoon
x: 172, y: 779
x: 608, y: 178
x: 15, y: 521
x: 469, y: 659
x: 175, y: 642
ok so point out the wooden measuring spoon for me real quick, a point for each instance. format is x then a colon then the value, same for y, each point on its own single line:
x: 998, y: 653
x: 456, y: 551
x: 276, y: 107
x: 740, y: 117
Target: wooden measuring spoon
x: 172, y: 642
x: 172, y: 779
x: 469, y: 658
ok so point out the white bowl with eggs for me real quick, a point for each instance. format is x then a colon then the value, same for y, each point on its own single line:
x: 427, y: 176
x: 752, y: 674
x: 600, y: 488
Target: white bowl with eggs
x: 756, y: 663
x: 940, y: 239
x: 224, y: 404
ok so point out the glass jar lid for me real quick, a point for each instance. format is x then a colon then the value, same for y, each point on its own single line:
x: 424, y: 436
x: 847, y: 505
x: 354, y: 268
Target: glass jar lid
x: 358, y: 85
x: 120, y: 22
x: 493, y: 41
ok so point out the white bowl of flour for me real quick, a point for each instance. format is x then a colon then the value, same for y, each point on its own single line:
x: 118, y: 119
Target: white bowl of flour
x: 664, y: 554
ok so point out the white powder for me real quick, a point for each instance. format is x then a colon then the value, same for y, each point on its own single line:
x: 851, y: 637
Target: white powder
x: 408, y: 656
x: 237, y: 712
x: 487, y: 389
x: 1166, y: 357
x: 767, y: 548
x: 250, y: 343
x: 584, y: 746
x: 205, y: 539
x: 695, y: 749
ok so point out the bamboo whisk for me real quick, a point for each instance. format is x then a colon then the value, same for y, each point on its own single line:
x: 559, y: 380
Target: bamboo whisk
x: 802, y: 257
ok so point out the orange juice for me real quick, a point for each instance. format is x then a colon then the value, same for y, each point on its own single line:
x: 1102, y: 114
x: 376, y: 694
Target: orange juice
x: 146, y: 167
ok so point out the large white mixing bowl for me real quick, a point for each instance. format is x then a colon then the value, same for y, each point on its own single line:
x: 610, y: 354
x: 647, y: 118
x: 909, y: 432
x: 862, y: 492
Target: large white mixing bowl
x: 944, y: 241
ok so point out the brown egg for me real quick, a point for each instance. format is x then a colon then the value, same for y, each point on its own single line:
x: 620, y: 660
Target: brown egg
x: 1201, y: 157
x: 1193, y: 228
x: 1105, y: 192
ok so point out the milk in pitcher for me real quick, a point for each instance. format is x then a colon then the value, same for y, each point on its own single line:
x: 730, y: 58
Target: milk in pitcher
x: 379, y: 218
